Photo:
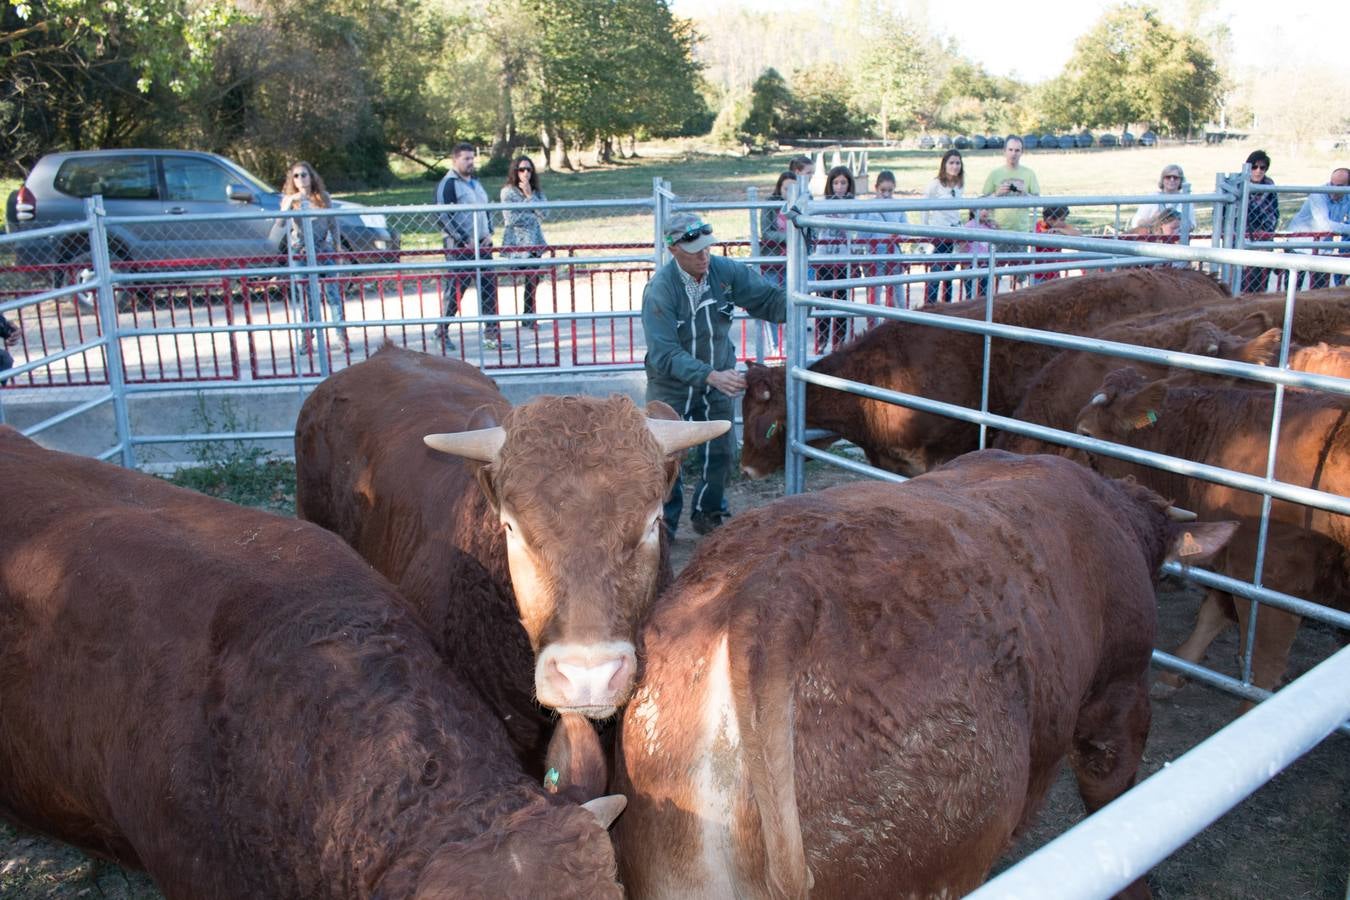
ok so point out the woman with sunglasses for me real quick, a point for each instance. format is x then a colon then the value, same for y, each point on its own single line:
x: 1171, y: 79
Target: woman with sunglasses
x: 523, y: 234
x: 949, y: 184
x: 1263, y: 217
x: 304, y: 189
x: 1165, y: 218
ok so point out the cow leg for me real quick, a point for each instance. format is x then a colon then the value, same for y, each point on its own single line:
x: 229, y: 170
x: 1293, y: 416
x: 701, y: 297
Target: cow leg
x: 1216, y: 614
x: 1107, y: 747
x: 1275, y: 633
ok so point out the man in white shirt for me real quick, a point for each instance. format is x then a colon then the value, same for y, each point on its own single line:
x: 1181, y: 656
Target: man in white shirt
x: 1327, y: 214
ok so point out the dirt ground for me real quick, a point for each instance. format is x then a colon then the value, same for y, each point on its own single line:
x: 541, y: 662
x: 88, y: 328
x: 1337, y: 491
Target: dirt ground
x: 1288, y: 840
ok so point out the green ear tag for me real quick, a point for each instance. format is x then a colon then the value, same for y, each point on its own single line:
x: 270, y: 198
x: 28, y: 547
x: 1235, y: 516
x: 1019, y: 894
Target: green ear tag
x: 551, y: 781
x: 773, y: 429
x: 1152, y: 417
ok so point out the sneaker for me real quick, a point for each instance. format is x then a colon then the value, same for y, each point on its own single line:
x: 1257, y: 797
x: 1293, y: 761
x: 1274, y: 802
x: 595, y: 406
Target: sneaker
x: 531, y: 324
x: 705, y: 523
x: 496, y: 344
x: 442, y: 336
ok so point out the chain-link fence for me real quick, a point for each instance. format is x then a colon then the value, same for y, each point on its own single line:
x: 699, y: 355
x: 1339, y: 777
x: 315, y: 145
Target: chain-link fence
x: 260, y: 297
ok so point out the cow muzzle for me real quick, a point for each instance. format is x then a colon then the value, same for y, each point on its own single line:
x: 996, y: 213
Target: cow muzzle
x: 592, y: 680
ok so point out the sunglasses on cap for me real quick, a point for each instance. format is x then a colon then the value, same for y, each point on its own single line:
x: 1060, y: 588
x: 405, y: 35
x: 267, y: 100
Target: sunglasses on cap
x: 692, y: 233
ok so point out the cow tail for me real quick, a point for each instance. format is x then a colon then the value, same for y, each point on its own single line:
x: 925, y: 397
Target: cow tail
x: 767, y: 716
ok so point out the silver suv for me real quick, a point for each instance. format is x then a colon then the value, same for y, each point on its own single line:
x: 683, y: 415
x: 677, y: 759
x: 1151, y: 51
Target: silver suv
x: 168, y: 183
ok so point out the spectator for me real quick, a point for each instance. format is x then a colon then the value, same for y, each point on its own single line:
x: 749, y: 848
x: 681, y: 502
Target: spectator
x: 1263, y: 217
x: 884, y: 189
x: 949, y: 183
x: 801, y: 165
x: 687, y: 309
x: 1328, y: 216
x: 1054, y: 220
x: 1165, y: 218
x: 831, y: 331
x: 773, y: 227
x: 1012, y: 179
x: 304, y: 189
x: 468, y: 235
x: 979, y: 218
x: 522, y: 229
x: 9, y: 336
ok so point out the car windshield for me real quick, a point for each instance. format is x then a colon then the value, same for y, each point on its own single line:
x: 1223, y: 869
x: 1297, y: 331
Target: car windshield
x: 252, y: 180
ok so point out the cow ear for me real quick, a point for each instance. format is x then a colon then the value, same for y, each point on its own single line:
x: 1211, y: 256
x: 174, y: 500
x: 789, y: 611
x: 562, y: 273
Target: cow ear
x: 1197, y: 542
x: 658, y: 410
x: 606, y: 809
x: 1253, y: 325
x: 1142, y: 408
x: 575, y: 763
x: 1262, y: 350
x: 488, y: 488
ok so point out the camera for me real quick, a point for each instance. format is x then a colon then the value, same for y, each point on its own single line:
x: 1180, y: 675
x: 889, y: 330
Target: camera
x: 1012, y: 189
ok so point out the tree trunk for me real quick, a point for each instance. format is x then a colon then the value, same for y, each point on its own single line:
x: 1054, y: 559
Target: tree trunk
x: 565, y: 161
x: 504, y: 141
x: 546, y: 145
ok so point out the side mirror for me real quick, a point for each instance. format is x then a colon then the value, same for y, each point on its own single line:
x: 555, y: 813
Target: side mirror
x: 238, y: 193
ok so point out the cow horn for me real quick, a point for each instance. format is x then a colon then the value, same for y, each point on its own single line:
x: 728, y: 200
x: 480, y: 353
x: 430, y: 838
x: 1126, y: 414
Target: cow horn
x: 680, y: 435
x: 481, y: 445
x: 1211, y: 349
x: 1098, y: 399
x: 1177, y: 514
x: 607, y: 808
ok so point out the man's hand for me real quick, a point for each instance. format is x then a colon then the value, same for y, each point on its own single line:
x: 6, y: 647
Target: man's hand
x: 13, y: 338
x: 728, y: 381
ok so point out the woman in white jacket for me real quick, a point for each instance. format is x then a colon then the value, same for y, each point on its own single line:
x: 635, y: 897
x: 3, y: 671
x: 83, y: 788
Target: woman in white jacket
x: 950, y: 183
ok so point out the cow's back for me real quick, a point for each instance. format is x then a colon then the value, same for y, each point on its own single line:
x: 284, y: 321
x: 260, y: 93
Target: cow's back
x: 419, y: 517
x: 897, y: 667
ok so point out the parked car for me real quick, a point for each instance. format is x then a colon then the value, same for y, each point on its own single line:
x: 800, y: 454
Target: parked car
x: 1066, y: 142
x: 1030, y: 141
x: 926, y: 142
x: 1084, y: 139
x: 1127, y: 139
x: 1049, y: 141
x: 167, y: 183
x: 995, y: 142
x: 1107, y: 140
x: 944, y: 142
x: 978, y: 142
x: 1148, y: 139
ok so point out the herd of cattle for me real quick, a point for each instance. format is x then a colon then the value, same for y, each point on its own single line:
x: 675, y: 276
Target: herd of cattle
x: 450, y: 678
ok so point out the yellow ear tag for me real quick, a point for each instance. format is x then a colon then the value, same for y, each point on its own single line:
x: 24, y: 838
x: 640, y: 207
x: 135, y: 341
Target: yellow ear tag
x: 1145, y: 420
x: 1189, y: 546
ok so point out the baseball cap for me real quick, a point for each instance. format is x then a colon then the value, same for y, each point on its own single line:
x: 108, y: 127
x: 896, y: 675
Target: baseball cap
x: 688, y: 232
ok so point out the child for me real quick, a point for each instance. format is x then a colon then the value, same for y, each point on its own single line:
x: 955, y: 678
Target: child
x: 1054, y: 220
x: 979, y: 218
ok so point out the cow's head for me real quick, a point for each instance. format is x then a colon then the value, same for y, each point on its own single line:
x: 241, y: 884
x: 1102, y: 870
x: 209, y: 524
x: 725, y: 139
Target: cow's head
x: 764, y: 412
x: 577, y: 484
x: 1207, y: 339
x: 1124, y: 403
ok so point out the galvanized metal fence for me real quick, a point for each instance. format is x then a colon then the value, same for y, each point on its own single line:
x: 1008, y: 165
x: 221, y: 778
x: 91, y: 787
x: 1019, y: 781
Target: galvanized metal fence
x: 116, y: 326
x: 1112, y: 848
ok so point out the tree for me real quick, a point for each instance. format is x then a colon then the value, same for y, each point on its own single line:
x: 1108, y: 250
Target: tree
x: 1132, y: 67
x: 900, y: 77
x: 823, y: 107
x: 85, y: 73
x: 770, y: 106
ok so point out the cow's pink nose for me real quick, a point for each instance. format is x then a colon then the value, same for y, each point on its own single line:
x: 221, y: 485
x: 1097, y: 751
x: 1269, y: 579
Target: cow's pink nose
x: 590, y: 683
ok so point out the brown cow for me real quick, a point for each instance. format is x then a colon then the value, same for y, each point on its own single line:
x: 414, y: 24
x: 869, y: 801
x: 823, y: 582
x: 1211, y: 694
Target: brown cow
x: 1308, y: 552
x: 945, y: 365
x: 237, y: 703
x: 532, y: 570
x: 865, y: 691
x: 1054, y: 397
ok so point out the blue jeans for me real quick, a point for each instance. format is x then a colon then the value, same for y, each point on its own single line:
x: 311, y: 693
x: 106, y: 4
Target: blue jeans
x: 946, y: 289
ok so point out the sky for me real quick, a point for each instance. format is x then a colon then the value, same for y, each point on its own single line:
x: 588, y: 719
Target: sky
x: 1266, y: 34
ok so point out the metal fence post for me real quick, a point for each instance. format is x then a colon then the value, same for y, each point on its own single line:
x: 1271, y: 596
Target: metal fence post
x: 107, y: 313
x: 794, y: 467
x: 315, y: 303
x: 1240, y: 232
x: 752, y: 196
